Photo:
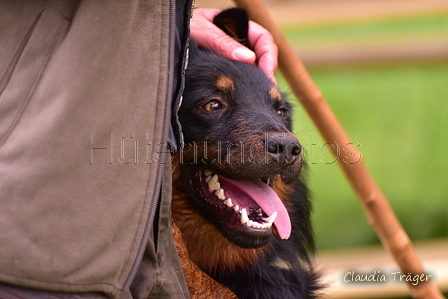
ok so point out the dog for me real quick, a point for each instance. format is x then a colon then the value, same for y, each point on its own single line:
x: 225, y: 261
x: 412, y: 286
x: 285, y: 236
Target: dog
x: 241, y: 213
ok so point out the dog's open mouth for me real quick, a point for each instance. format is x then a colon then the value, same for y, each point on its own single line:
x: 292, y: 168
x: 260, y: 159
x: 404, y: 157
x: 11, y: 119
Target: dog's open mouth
x: 246, y: 210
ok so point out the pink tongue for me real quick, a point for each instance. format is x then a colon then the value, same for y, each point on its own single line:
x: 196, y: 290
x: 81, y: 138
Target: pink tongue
x: 268, y: 200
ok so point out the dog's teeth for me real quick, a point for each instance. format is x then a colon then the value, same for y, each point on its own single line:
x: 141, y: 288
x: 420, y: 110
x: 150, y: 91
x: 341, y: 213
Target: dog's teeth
x: 228, y: 202
x: 252, y: 224
x: 215, y: 186
x: 214, y: 179
x: 266, y: 225
x: 213, y: 183
x: 271, y: 218
x: 220, y: 194
x: 244, y: 216
x: 236, y: 208
x: 208, y: 172
x: 255, y: 224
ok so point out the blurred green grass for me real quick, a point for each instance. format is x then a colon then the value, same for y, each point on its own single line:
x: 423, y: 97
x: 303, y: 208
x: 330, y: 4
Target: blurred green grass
x: 399, y: 116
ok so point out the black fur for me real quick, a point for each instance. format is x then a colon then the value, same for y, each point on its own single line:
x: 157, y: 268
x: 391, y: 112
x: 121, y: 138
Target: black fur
x: 248, y: 112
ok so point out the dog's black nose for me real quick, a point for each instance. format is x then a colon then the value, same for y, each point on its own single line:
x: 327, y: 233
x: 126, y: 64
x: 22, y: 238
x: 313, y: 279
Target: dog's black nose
x: 283, y: 147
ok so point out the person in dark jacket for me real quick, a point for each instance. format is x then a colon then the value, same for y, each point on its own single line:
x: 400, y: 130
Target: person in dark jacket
x: 86, y: 94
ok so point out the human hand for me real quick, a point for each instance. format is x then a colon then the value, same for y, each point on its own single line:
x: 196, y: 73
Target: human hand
x: 209, y: 36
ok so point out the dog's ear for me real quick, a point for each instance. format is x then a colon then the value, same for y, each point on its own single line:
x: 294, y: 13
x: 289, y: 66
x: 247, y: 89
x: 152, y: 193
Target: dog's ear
x: 235, y: 23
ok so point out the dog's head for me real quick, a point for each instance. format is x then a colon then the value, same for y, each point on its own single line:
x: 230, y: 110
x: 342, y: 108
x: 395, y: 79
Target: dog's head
x: 239, y: 153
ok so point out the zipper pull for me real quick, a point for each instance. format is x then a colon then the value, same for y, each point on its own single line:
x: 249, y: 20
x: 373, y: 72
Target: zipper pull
x: 193, y: 6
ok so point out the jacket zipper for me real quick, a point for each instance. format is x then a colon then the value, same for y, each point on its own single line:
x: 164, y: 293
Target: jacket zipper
x: 160, y: 168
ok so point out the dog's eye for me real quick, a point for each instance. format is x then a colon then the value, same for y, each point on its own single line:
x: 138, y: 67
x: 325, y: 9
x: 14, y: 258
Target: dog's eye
x: 213, y: 105
x: 281, y: 112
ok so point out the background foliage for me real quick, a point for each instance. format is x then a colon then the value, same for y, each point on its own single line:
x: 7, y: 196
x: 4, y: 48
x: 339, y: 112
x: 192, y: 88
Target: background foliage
x: 398, y: 113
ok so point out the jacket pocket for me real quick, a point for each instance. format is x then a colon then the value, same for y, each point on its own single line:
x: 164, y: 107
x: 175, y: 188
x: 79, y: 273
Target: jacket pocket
x: 25, y: 66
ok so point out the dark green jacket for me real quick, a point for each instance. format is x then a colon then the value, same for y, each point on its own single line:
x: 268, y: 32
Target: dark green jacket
x: 85, y: 179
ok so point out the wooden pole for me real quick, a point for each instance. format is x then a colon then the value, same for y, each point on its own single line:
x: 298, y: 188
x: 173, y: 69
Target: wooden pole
x: 379, y: 212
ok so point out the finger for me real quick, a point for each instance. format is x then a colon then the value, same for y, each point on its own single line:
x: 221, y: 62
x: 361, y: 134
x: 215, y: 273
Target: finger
x: 207, y: 13
x: 266, y: 50
x: 207, y: 35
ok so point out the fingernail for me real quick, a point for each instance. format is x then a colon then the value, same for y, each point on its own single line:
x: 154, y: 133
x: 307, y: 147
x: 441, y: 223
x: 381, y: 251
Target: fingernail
x: 243, y: 54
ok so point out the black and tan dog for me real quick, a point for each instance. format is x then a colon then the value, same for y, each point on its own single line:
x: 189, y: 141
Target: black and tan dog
x: 240, y: 207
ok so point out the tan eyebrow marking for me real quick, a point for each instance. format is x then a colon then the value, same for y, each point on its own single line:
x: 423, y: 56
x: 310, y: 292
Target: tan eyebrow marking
x: 275, y: 94
x: 225, y: 84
